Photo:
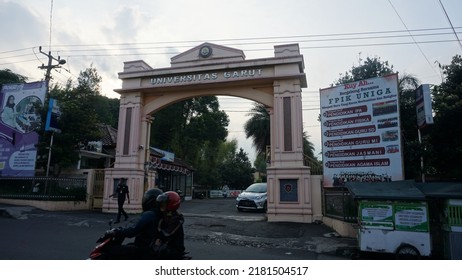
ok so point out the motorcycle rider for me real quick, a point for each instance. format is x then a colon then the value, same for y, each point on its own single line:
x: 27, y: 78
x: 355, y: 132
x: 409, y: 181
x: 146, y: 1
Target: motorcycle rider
x: 144, y: 231
x: 170, y: 241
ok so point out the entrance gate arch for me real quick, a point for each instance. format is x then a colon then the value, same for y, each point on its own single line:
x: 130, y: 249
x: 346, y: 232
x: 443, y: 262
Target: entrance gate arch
x: 211, y: 69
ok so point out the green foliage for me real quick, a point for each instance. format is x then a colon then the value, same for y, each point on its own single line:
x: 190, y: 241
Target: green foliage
x: 83, y: 108
x: 257, y: 127
x: 446, y: 132
x: 194, y: 130
x: 371, y: 67
x: 107, y: 109
x: 8, y: 77
x: 412, y: 148
x: 260, y: 163
x: 237, y: 172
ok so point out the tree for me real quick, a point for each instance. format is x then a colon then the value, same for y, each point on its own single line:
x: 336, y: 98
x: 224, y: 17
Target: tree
x: 412, y: 148
x: 79, y: 119
x: 446, y: 132
x: 194, y: 130
x: 9, y: 77
x: 371, y: 67
x: 260, y: 163
x: 237, y: 172
x: 257, y: 127
x: 107, y: 109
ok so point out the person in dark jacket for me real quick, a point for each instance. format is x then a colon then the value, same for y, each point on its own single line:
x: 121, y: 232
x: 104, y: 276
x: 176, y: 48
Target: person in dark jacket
x: 144, y: 231
x: 122, y: 193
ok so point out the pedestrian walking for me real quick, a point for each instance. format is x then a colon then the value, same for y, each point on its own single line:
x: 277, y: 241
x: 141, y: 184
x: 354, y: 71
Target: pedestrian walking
x: 122, y: 193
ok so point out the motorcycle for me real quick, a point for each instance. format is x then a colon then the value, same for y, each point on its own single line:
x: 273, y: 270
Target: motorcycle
x: 106, y: 241
x: 109, y: 239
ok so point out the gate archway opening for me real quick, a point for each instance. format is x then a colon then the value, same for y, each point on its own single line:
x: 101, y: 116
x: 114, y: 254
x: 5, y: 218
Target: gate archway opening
x: 211, y: 69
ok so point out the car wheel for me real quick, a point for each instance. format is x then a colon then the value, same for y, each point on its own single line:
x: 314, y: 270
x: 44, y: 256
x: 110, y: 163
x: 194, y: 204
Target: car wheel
x: 239, y: 209
x: 265, y: 207
x: 407, y: 252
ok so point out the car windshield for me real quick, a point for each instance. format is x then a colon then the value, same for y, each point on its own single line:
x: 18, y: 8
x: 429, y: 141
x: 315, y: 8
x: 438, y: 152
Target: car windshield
x: 256, y: 188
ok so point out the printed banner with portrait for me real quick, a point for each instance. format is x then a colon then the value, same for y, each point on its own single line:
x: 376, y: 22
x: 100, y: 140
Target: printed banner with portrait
x: 20, y: 118
x: 361, y: 140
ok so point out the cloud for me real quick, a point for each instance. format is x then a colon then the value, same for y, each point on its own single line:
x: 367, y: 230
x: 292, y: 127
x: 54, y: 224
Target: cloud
x: 20, y: 27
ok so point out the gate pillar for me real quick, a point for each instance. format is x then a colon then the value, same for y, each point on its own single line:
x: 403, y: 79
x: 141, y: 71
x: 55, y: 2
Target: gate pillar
x: 289, y: 182
x: 132, y: 148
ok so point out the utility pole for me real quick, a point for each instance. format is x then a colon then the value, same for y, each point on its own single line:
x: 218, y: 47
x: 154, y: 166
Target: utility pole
x: 47, y: 79
x: 50, y: 65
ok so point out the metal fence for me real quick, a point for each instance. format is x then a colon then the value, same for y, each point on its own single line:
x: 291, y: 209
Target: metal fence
x: 338, y: 204
x: 44, y: 188
x: 316, y: 167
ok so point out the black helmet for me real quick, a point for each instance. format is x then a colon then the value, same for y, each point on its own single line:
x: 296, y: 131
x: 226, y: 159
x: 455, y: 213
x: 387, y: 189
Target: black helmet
x: 149, y: 199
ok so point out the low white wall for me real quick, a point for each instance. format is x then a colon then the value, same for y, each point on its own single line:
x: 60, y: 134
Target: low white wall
x: 48, y: 205
x: 342, y: 228
x: 51, y: 205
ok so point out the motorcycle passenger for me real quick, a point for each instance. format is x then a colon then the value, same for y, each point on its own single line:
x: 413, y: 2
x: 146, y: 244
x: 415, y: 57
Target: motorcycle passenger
x: 144, y: 231
x: 170, y: 244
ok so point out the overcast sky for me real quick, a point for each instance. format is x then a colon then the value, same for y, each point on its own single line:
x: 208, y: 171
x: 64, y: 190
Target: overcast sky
x: 412, y: 35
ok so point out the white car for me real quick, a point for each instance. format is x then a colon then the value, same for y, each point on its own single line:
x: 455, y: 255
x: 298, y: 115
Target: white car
x: 253, y: 198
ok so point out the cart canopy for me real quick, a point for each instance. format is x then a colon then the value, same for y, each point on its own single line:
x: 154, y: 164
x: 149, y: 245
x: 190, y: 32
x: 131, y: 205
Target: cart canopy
x: 404, y: 190
x: 396, y: 190
x: 441, y: 190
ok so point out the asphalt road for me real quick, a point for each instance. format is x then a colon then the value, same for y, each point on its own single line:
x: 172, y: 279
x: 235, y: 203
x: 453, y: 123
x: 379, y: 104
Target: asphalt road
x: 214, y: 230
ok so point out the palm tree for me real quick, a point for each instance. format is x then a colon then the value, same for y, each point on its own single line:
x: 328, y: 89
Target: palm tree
x: 258, y: 127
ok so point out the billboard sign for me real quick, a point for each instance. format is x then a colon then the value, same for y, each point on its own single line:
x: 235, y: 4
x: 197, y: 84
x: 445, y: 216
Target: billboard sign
x: 53, y: 116
x: 423, y: 103
x: 19, y: 120
x: 360, y: 127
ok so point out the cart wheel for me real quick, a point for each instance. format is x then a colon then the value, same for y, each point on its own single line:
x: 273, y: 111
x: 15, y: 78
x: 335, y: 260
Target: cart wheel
x: 407, y: 252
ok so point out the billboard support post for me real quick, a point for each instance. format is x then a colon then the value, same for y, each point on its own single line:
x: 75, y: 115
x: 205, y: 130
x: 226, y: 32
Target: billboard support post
x: 421, y: 157
x: 49, y: 153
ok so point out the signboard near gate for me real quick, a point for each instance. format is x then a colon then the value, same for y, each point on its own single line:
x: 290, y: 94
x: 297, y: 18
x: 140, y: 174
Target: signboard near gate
x: 361, y: 132
x: 423, y: 103
x: 20, y: 118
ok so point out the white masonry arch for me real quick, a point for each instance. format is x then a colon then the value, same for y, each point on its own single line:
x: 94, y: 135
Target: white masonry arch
x: 210, y: 69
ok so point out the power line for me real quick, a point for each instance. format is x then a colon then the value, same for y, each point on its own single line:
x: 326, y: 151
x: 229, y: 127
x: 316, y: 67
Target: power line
x: 250, y: 43
x: 247, y: 41
x: 259, y: 38
x: 103, y: 47
x: 450, y: 23
x: 413, y: 39
x: 270, y: 49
